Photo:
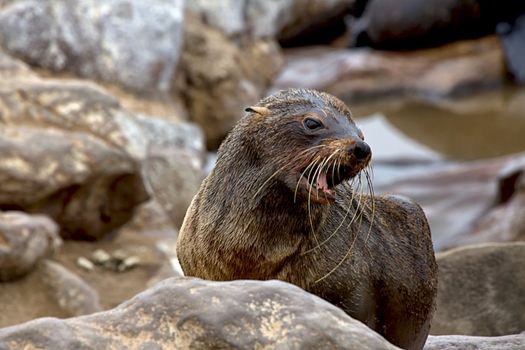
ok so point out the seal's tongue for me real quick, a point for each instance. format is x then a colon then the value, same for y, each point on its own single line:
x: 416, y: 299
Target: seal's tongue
x: 322, y: 184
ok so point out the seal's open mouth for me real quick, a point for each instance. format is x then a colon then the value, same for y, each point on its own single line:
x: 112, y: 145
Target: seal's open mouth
x: 320, y: 183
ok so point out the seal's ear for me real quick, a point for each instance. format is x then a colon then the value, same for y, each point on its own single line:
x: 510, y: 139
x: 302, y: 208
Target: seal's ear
x: 258, y: 110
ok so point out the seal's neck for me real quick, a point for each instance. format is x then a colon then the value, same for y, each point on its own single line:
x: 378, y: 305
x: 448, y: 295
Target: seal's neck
x: 255, y: 200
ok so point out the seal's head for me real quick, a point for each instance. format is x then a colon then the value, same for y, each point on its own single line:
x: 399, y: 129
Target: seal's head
x: 308, y: 137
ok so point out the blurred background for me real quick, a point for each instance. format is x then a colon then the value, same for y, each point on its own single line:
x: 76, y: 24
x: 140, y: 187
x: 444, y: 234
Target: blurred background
x: 111, y: 112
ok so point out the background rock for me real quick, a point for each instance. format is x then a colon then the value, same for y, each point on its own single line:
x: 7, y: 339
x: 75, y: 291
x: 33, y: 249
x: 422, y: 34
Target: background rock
x: 269, y: 19
x: 459, y: 342
x: 25, y: 240
x: 238, y: 314
x: 73, y: 153
x: 361, y: 76
x: 513, y: 40
x: 218, y: 78
x: 49, y: 290
x: 481, y: 290
x: 65, y: 156
x: 126, y: 42
x: 416, y: 23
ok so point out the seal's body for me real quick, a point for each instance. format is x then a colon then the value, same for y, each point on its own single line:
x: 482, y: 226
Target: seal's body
x: 278, y: 206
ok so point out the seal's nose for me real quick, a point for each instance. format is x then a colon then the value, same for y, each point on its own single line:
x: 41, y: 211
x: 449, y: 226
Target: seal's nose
x: 360, y: 150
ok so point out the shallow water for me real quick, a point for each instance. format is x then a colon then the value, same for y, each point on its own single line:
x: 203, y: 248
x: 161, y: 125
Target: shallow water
x: 486, y: 125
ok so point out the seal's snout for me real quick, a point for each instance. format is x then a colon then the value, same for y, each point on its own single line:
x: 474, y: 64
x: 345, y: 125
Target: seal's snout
x: 360, y: 150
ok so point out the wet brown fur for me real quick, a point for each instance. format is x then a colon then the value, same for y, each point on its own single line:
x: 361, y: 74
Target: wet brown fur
x: 246, y: 223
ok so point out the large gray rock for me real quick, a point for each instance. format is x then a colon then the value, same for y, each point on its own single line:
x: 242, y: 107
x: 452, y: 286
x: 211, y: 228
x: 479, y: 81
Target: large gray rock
x: 129, y: 42
x: 263, y: 19
x: 49, y: 290
x: 191, y: 313
x: 459, y: 342
x: 25, y: 240
x: 481, y: 290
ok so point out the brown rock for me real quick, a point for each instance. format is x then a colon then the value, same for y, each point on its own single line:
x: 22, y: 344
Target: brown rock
x: 234, y: 315
x: 361, y: 75
x: 25, y: 240
x: 50, y: 290
x: 460, y: 342
x: 218, y: 78
x: 481, y: 290
x: 66, y: 148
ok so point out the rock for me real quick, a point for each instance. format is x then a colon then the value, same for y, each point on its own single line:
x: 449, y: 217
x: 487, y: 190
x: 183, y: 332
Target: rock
x: 459, y: 342
x: 24, y: 241
x: 218, y: 78
x: 65, y: 156
x: 71, y: 292
x: 416, y: 23
x: 85, y: 164
x: 454, y: 196
x: 506, y: 219
x: 127, y: 42
x: 173, y: 165
x: 284, y: 20
x: 361, y: 75
x: 50, y: 290
x: 236, y: 315
x: 513, y: 40
x: 481, y: 290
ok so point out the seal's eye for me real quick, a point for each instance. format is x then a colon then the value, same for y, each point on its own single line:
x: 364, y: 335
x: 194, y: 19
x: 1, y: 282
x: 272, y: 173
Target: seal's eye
x: 312, y: 124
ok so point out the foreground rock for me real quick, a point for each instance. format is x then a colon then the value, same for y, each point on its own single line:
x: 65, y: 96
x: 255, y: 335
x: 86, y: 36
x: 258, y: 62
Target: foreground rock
x: 238, y: 314
x: 481, y: 291
x: 49, y: 290
x: 361, y: 75
x: 127, y: 42
x: 458, y: 342
x: 24, y: 241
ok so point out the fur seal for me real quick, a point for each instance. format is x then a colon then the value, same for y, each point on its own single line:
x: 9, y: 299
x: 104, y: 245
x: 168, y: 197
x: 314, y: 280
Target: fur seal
x: 279, y: 205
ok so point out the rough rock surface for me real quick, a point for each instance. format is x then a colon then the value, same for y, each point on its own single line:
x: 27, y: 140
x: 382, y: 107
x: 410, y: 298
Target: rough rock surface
x: 263, y: 19
x: 218, y: 78
x: 129, y: 42
x: 481, y: 290
x: 459, y: 342
x: 24, y: 241
x: 238, y: 314
x: 66, y: 149
x: 50, y: 290
x: 362, y: 75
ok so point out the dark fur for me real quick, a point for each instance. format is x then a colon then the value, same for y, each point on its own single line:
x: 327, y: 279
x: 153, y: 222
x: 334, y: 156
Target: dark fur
x: 241, y: 227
